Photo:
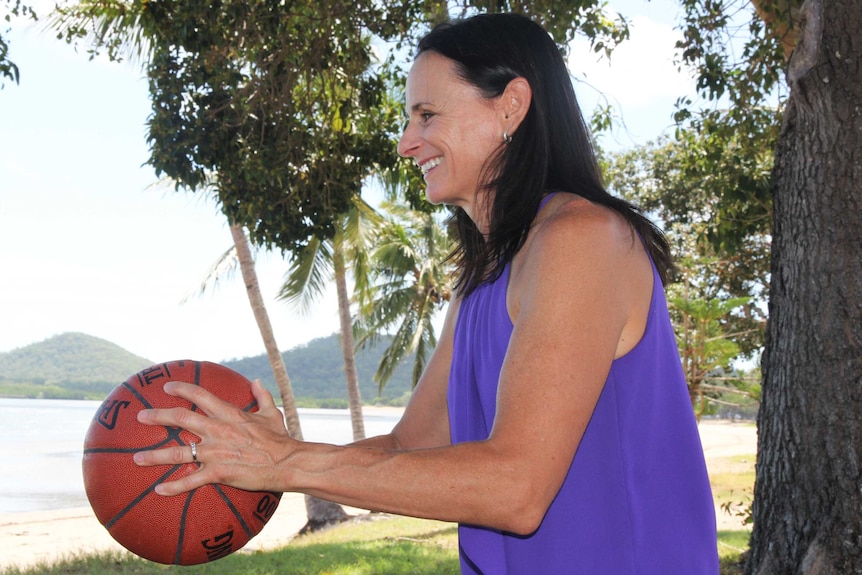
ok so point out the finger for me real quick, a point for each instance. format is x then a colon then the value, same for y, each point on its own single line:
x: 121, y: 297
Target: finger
x: 173, y: 455
x: 192, y: 481
x: 265, y: 401
x: 213, y: 405
x: 193, y: 421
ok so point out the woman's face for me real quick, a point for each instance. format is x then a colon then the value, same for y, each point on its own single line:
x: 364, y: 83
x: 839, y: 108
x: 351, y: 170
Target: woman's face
x: 451, y: 132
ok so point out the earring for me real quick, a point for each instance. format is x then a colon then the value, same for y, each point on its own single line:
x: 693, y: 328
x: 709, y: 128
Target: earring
x: 506, y: 137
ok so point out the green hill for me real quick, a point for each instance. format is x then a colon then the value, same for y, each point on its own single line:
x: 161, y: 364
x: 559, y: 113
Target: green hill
x: 83, y: 365
x: 80, y: 366
x: 316, y: 372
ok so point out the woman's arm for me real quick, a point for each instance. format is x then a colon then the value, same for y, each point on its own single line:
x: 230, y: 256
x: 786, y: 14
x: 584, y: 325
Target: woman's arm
x: 575, y: 298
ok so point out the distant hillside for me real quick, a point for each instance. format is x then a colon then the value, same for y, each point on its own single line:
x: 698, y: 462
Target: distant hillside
x: 73, y: 361
x: 316, y: 371
x: 71, y: 357
x: 80, y: 366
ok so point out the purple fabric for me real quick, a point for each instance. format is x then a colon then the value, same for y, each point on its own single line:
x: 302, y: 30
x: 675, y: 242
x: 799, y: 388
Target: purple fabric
x: 636, y: 499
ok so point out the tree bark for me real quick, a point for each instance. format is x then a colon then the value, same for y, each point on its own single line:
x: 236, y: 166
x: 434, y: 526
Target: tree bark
x: 347, y: 346
x: 807, y: 501
x: 320, y: 513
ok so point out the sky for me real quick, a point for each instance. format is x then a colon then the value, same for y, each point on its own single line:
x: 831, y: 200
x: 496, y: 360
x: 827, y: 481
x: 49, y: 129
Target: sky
x: 90, y: 243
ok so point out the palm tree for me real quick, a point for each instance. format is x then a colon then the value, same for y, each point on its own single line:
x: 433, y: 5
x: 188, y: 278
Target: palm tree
x: 320, y: 512
x: 322, y: 261
x: 414, y: 282
x: 261, y: 316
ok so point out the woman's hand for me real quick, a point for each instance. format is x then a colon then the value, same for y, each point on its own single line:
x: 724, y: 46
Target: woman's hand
x: 237, y: 448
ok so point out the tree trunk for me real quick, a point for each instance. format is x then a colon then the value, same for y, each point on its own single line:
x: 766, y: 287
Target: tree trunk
x: 807, y: 500
x: 347, y: 347
x: 320, y: 512
x: 255, y: 298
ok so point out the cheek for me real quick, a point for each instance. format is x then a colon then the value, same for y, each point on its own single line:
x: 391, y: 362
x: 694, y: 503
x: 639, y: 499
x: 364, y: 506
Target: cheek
x: 483, y: 144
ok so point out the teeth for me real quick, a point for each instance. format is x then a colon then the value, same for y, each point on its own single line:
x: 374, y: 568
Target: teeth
x: 432, y: 163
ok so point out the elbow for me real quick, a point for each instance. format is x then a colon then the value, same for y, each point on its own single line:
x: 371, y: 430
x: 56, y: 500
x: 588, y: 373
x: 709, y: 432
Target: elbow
x: 523, y: 511
x: 523, y: 525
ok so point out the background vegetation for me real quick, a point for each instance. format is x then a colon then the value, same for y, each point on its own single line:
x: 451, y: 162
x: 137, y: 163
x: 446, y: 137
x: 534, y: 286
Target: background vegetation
x: 80, y: 366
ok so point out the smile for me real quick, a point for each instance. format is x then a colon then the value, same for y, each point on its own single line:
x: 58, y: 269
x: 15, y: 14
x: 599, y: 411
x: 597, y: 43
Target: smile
x: 432, y: 163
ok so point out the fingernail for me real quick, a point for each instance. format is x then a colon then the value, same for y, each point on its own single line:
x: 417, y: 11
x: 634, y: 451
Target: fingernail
x: 138, y: 458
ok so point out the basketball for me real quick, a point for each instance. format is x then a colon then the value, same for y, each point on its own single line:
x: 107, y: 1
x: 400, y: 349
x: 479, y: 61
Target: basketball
x: 202, y: 525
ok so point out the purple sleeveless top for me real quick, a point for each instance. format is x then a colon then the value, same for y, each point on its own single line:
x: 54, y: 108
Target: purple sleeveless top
x: 636, y: 499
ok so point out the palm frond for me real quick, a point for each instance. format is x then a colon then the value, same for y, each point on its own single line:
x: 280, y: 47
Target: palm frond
x: 116, y: 26
x: 223, y: 269
x: 307, y: 275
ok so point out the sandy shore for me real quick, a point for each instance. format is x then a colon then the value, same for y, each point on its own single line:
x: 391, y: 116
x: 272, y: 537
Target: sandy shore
x: 44, y: 536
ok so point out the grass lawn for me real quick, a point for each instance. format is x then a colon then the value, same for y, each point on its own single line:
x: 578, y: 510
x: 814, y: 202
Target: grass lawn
x: 732, y: 481
x: 380, y: 545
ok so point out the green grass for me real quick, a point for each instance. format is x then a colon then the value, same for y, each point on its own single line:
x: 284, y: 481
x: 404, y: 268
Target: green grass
x: 380, y: 544
x: 732, y: 481
x: 731, y: 546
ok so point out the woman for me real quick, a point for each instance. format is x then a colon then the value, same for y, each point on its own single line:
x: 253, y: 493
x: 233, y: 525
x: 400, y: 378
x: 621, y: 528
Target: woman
x: 552, y: 421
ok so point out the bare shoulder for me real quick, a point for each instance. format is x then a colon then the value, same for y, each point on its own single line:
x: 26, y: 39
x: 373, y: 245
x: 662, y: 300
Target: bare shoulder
x: 593, y: 255
x: 575, y: 235
x: 571, y: 221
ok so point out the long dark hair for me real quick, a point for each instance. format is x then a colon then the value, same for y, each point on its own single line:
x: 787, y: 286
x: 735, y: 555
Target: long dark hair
x: 550, y: 151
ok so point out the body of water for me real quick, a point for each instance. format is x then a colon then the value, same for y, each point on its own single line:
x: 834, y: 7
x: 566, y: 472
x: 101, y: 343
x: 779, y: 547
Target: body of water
x: 41, y: 444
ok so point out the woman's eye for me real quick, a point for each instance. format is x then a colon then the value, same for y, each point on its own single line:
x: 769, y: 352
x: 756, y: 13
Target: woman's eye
x: 426, y: 116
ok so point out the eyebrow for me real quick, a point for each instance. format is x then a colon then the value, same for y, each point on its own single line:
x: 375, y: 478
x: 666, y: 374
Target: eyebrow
x: 418, y: 106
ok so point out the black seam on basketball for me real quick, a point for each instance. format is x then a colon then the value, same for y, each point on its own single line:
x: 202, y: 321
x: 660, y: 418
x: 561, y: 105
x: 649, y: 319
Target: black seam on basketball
x: 250, y: 406
x: 141, y: 497
x: 174, y: 433
x: 182, y: 527
x: 138, y: 395
x: 173, y: 436
x: 233, y: 510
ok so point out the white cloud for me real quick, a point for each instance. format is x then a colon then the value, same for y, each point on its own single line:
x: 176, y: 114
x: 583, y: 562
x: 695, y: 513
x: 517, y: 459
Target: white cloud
x: 640, y: 81
x: 641, y: 71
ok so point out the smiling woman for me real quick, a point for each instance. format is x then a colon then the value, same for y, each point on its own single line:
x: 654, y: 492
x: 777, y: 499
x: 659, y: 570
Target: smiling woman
x: 552, y: 421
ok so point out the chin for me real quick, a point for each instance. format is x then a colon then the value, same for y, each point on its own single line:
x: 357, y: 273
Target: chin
x: 436, y: 196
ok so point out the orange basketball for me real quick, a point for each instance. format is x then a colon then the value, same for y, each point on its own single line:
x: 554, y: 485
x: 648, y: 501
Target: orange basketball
x: 202, y: 525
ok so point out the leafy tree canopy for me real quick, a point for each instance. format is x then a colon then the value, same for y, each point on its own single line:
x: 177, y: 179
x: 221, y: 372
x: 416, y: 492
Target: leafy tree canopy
x: 286, y: 104
x: 711, y: 185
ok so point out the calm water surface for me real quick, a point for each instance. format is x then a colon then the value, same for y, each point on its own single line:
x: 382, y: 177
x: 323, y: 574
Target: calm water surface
x: 41, y: 442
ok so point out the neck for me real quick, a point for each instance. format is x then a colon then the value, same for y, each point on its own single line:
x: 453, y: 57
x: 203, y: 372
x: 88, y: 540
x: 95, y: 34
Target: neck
x: 479, y: 211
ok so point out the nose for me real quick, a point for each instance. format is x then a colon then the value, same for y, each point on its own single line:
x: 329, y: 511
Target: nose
x: 408, y: 143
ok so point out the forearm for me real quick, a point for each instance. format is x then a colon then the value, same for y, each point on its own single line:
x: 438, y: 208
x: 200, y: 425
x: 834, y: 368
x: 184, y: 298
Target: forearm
x: 387, y: 441
x: 467, y: 483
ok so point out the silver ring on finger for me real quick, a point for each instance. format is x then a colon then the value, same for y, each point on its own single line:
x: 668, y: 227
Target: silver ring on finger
x: 194, y: 447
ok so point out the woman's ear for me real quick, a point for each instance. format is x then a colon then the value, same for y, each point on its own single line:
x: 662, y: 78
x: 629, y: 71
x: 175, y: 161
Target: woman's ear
x: 514, y: 103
